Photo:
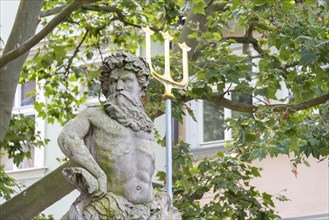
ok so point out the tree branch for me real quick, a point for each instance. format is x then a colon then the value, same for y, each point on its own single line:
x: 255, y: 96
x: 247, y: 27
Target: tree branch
x: 75, y: 53
x: 11, y: 55
x: 58, y: 9
x: 110, y: 9
x: 120, y: 16
x: 301, y: 106
x: 242, y: 40
x: 261, y: 26
x: 241, y: 107
x: 256, y: 46
x: 53, y: 11
x: 226, y: 103
x: 101, y: 8
x: 247, y: 40
x: 220, y: 100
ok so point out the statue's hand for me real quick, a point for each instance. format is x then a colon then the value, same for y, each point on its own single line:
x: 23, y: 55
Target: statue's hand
x: 102, y: 188
x: 102, y: 184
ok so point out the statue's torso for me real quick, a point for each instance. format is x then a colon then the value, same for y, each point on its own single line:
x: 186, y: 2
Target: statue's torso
x: 126, y: 156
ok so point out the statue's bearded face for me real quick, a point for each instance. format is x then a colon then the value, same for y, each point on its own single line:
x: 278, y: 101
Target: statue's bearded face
x: 123, y: 102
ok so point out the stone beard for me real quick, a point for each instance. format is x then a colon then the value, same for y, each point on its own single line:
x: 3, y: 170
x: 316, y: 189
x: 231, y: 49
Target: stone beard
x: 128, y: 110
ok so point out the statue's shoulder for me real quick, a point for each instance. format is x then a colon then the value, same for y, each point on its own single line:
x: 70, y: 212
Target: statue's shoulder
x: 92, y: 113
x: 96, y: 116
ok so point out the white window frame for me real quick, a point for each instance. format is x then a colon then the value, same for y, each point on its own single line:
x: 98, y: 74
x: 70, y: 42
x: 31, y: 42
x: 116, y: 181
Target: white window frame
x: 38, y: 169
x: 195, y: 129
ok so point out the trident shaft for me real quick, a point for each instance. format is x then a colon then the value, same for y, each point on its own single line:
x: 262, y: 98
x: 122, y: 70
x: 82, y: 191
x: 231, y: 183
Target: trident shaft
x: 169, y: 84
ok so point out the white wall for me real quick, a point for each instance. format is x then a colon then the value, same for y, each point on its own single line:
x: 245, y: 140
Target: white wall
x: 308, y: 192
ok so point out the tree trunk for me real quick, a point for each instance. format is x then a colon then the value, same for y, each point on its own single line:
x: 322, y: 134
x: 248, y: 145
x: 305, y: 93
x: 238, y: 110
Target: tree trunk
x: 39, y: 196
x: 199, y: 20
x: 25, y: 25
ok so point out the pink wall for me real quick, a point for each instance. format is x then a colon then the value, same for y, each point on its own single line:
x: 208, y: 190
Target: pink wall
x: 308, y: 193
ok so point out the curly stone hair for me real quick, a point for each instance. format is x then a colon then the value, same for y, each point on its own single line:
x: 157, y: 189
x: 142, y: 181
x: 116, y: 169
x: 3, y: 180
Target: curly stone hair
x: 124, y: 60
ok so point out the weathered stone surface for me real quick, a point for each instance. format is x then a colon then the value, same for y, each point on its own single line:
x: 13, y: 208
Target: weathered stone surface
x: 115, y: 146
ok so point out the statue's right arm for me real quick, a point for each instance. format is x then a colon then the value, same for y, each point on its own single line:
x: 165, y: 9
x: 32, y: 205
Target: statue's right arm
x: 71, y: 143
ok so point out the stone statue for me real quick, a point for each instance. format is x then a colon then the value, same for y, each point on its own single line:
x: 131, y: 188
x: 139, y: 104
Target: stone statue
x: 114, y: 147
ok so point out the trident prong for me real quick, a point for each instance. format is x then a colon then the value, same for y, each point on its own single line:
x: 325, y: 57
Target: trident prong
x: 166, y: 78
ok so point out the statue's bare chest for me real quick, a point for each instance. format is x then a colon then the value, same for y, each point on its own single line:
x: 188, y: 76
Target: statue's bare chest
x: 112, y: 140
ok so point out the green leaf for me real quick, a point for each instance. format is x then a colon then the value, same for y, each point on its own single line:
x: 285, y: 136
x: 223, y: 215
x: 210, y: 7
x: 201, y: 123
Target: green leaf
x: 287, y: 5
x: 191, y: 113
x: 258, y: 1
x: 60, y: 52
x: 255, y: 171
x: 94, y: 74
x: 220, y: 87
x: 73, y: 78
x: 308, y: 2
x: 193, y: 35
x: 282, y: 147
x: 89, y: 55
x: 193, y: 170
x: 186, y: 185
x: 308, y: 57
x: 220, y: 154
x: 258, y: 154
x: 268, y: 199
x: 38, y: 106
x: 199, y: 7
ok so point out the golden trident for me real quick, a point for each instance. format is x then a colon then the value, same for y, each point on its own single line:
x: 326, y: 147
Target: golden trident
x: 169, y: 84
x: 166, y: 79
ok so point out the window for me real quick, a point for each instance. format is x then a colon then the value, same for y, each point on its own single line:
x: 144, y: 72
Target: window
x: 22, y: 97
x: 213, y: 122
x: 209, y: 130
x: 25, y: 90
x: 23, y: 104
